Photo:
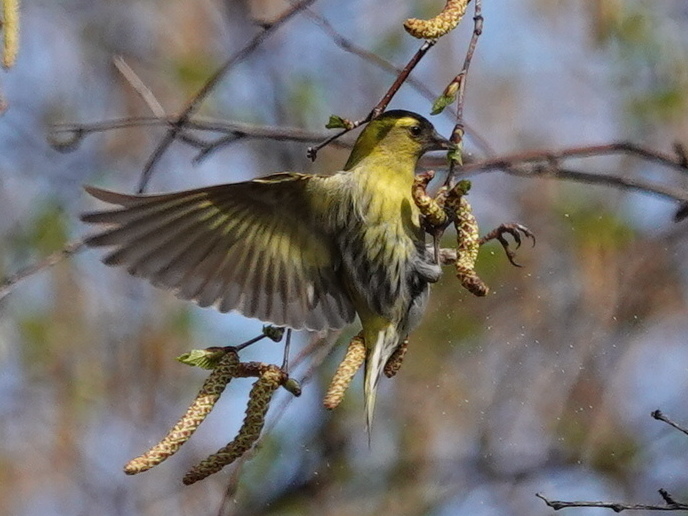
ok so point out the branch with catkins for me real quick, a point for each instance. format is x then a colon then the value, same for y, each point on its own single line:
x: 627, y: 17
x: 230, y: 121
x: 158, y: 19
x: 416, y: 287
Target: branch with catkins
x: 225, y: 365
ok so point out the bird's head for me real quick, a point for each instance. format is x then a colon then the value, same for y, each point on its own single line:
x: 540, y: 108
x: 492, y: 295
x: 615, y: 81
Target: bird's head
x: 398, y: 134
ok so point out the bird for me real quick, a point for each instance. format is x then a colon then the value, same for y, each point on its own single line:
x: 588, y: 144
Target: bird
x: 302, y: 251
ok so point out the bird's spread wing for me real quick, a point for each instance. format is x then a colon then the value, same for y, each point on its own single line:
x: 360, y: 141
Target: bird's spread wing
x: 249, y: 247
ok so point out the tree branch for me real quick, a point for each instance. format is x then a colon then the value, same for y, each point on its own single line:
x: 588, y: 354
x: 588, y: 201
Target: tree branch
x: 546, y: 164
x: 67, y: 136
x: 622, y: 147
x: 180, y: 122
x: 384, y: 101
x: 460, y: 81
x: 139, y: 86
x: 349, y: 46
x: 670, y: 503
x: 673, y: 194
x: 616, y: 506
x: 11, y: 281
x: 657, y: 414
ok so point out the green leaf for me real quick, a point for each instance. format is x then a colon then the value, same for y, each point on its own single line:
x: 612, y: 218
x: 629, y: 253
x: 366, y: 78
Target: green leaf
x: 464, y: 185
x: 456, y: 155
x: 441, y: 102
x: 203, y: 358
x: 337, y: 122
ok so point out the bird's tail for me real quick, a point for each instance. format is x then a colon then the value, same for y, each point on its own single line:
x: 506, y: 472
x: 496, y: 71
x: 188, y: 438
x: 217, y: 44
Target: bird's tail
x: 380, y: 344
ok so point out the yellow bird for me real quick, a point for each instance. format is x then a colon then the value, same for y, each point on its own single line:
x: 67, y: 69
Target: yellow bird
x: 302, y: 251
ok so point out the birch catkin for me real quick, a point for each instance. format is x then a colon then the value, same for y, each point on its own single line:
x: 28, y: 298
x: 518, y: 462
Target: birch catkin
x: 441, y: 24
x: 259, y: 401
x: 196, y: 413
x: 10, y: 29
x: 354, y: 358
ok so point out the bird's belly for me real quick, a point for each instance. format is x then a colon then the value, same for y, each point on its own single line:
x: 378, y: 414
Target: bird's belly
x: 378, y: 261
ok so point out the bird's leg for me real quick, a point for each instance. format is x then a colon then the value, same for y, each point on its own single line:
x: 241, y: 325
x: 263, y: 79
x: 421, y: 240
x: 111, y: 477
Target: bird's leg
x: 515, y: 230
x: 452, y: 205
x: 352, y: 362
x: 437, y: 213
x: 467, y: 237
x: 394, y: 362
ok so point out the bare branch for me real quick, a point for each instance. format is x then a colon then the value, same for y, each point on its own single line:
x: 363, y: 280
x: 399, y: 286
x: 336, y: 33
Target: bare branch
x: 139, y: 87
x: 349, y: 46
x: 657, y: 414
x: 384, y: 101
x: 586, y: 151
x: 77, y: 130
x: 546, y: 164
x: 196, y: 101
x: 673, y: 194
x: 9, y: 282
x: 460, y: 81
x: 616, y: 506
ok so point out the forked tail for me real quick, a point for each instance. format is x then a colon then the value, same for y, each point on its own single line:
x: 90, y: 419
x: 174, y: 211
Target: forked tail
x: 380, y: 344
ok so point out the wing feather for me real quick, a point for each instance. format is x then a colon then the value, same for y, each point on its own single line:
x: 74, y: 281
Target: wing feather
x: 253, y: 247
x: 149, y: 252
x: 198, y: 256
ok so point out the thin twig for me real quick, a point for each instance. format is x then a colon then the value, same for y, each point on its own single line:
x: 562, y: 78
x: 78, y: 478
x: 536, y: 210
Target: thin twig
x: 9, y: 282
x: 139, y: 87
x: 211, y: 147
x: 546, y: 164
x: 459, y: 128
x: 349, y: 46
x: 477, y: 32
x: 401, y: 78
x: 72, y: 133
x: 614, y: 506
x: 210, y: 84
x: 673, y: 194
x: 384, y: 101
x: 682, y: 155
x: 584, y: 151
x: 658, y: 415
x: 668, y: 499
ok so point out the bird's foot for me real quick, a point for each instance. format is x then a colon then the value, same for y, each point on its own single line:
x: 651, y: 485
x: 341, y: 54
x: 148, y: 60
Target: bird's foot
x: 517, y: 232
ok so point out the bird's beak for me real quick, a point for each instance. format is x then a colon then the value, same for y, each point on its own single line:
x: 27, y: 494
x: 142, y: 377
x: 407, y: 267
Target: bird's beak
x: 438, y: 142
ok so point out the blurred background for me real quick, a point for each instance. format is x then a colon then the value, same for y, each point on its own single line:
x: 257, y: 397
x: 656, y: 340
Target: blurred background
x: 544, y: 386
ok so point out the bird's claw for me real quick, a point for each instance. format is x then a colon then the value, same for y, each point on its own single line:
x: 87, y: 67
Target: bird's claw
x: 517, y: 232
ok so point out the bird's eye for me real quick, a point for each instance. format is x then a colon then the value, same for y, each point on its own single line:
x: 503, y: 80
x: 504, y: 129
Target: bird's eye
x: 415, y: 130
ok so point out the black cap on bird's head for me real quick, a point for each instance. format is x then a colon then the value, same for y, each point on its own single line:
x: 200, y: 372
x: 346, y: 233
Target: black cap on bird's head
x: 403, y: 133
x: 420, y: 129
